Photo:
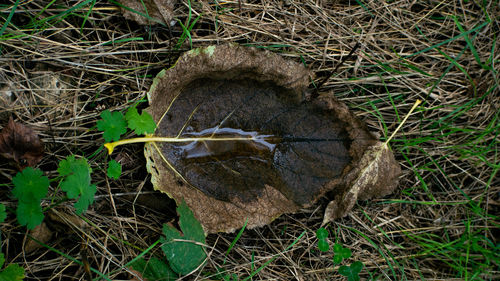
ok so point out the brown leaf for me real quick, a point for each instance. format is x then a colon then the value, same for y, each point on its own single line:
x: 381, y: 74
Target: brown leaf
x: 41, y: 233
x: 20, y: 144
x: 257, y: 150
x: 158, y: 10
x: 375, y: 175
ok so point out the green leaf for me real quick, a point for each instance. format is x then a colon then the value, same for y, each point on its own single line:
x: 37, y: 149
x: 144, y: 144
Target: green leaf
x: 337, y: 259
x: 12, y: 272
x: 184, y: 256
x: 346, y: 253
x: 356, y: 267
x: 114, y: 169
x: 323, y: 245
x: 351, y: 272
x: 112, y: 124
x: 30, y: 215
x: 3, y: 214
x: 340, y: 253
x: 30, y: 187
x: 140, y: 123
x: 76, y: 182
x: 344, y: 270
x: 322, y: 233
x: 154, y: 269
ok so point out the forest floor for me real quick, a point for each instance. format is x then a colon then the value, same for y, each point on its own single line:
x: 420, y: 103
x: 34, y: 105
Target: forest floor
x: 63, y: 62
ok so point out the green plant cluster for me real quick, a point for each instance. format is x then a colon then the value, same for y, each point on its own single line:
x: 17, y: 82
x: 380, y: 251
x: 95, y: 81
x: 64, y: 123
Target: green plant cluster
x: 340, y: 253
x: 114, y: 124
x: 31, y: 187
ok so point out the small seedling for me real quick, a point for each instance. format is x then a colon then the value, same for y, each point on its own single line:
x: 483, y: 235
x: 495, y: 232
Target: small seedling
x: 30, y: 187
x: 322, y: 235
x: 184, y: 255
x: 352, y: 271
x: 76, y: 182
x: 114, y: 169
x: 340, y: 253
x: 112, y: 124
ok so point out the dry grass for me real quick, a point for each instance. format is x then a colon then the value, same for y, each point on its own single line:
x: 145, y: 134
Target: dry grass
x: 63, y: 74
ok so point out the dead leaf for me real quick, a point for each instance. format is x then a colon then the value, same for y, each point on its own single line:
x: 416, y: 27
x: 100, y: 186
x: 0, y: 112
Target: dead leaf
x: 20, y: 144
x: 66, y: 219
x: 41, y: 233
x: 375, y: 175
x: 160, y: 11
x: 252, y: 148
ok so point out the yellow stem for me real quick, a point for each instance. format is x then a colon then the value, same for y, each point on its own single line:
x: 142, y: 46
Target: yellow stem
x: 111, y: 145
x: 417, y: 102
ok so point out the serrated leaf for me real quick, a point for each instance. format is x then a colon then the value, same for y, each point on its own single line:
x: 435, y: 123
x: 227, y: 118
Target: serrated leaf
x: 76, y: 182
x: 154, y: 269
x: 114, y: 169
x: 12, y: 272
x: 140, y: 123
x: 112, y: 124
x: 30, y: 187
x: 184, y: 256
x: 30, y: 215
x: 3, y: 214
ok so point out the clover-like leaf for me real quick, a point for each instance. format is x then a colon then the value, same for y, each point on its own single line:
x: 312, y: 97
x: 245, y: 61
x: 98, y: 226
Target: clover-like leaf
x: 322, y: 233
x: 30, y: 187
x: 114, y: 169
x: 184, y: 256
x: 112, y: 124
x: 76, y: 182
x: 141, y: 123
x: 323, y: 245
x: 340, y: 253
x: 352, y: 271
